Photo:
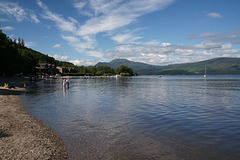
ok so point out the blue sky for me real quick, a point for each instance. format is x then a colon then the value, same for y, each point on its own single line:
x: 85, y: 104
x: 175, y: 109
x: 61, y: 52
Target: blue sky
x: 157, y: 32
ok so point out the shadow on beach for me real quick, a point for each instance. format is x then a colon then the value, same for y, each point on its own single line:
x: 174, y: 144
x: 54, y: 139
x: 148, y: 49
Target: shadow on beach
x: 3, y: 134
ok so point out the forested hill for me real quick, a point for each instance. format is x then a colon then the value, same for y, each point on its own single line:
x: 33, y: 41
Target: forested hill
x: 214, y: 66
x: 16, y: 58
x: 140, y: 68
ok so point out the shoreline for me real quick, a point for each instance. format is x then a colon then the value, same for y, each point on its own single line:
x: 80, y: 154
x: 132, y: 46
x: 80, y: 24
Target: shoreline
x: 24, y: 137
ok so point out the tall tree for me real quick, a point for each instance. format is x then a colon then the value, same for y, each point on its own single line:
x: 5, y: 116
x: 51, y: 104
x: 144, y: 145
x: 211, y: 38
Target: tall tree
x: 22, y: 43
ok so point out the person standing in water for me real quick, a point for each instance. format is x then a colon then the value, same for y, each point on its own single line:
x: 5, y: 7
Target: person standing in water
x: 64, y: 82
x: 68, y: 82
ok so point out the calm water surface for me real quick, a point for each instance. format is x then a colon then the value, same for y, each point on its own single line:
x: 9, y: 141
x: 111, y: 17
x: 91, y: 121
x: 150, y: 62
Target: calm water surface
x: 144, y: 117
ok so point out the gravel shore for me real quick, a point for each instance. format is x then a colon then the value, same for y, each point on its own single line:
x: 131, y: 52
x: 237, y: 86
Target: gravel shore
x: 23, y: 137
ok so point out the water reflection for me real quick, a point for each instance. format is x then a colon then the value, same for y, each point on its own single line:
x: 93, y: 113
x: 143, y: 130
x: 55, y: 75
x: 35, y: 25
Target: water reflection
x: 143, y: 117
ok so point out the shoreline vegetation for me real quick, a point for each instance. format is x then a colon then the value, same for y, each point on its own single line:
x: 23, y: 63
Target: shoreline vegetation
x: 17, y: 59
x: 21, y: 135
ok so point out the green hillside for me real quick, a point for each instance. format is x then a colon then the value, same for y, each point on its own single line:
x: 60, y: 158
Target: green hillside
x: 214, y: 66
x: 16, y: 58
x: 140, y: 68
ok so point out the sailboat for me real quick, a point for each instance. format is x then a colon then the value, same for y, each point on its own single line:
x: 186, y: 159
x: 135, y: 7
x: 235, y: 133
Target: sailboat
x: 205, y: 75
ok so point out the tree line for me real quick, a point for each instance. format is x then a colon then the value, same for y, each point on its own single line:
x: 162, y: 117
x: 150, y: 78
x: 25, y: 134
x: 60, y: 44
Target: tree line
x: 102, y: 70
x: 15, y: 58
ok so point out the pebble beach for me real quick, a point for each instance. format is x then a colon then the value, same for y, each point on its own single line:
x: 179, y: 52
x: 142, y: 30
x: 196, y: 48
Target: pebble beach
x: 24, y: 137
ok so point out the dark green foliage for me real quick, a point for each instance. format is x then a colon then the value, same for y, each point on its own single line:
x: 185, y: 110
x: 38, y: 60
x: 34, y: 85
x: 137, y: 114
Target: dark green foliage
x: 10, y: 58
x: 63, y: 63
x: 102, y: 71
x: 99, y: 70
x: 125, y: 71
x: 82, y: 70
x: 16, y: 58
x: 9, y: 61
x: 29, y: 62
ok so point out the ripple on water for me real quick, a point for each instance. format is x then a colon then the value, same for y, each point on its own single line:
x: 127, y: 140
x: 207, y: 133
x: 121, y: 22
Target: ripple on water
x: 142, y: 117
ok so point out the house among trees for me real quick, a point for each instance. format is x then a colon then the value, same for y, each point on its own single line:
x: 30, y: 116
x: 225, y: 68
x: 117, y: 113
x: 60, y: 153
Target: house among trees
x: 53, y: 69
x: 46, y: 68
x: 62, y: 69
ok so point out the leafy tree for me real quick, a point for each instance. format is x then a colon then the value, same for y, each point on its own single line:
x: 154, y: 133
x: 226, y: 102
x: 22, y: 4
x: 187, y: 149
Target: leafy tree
x: 29, y: 62
x: 22, y: 43
x: 10, y: 58
x: 82, y: 70
x: 125, y: 71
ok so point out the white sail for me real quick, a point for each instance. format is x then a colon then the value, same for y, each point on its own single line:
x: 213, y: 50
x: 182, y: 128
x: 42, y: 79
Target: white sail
x: 205, y: 75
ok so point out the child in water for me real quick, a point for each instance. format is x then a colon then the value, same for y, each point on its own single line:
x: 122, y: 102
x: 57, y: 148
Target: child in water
x: 64, y: 82
x: 68, y: 82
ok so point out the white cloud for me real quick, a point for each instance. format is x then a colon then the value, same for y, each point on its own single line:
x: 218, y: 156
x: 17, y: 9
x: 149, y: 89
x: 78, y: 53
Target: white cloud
x: 79, y: 5
x: 208, y: 45
x: 95, y: 53
x: 104, y: 16
x: 127, y: 37
x: 214, y: 15
x: 154, y: 42
x: 227, y: 46
x: 34, y: 18
x: 57, y: 46
x: 7, y: 28
x: 109, y: 16
x: 221, y: 52
x: 152, y: 52
x: 80, y: 44
x: 71, y: 39
x: 64, y: 25
x: 164, y: 53
x: 30, y: 44
x: 85, y: 62
x: 13, y: 9
x: 232, y: 37
x: 60, y: 57
x: 84, y: 45
x: 3, y: 20
x: 165, y: 44
x: 102, y: 24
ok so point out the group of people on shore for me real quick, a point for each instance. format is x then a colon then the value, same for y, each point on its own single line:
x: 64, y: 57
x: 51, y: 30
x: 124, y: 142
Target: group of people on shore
x: 66, y: 82
x: 8, y: 87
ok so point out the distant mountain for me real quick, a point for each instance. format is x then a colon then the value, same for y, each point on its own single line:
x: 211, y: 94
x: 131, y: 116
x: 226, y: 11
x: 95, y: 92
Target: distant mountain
x: 214, y: 66
x: 141, y: 68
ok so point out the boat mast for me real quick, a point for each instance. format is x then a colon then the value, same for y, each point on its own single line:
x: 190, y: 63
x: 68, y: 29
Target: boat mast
x: 205, y: 75
x: 205, y: 70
